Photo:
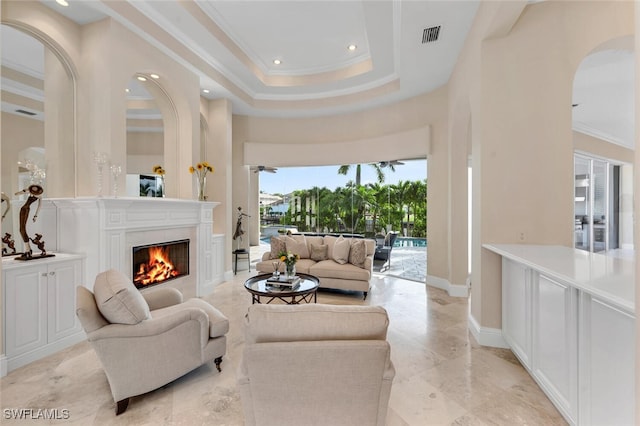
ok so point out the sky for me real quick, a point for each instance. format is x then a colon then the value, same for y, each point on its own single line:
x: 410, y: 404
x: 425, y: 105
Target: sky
x: 288, y: 179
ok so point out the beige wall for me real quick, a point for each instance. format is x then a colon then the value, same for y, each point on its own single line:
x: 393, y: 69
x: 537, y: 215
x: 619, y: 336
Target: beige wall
x: 600, y: 148
x: 103, y: 125
x: 636, y: 193
x: 18, y: 133
x: 217, y: 150
x: 518, y: 82
x: 144, y: 151
x: 145, y: 143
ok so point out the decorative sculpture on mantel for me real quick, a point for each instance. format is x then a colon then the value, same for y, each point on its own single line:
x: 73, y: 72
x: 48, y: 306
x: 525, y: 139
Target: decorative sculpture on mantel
x: 35, y: 194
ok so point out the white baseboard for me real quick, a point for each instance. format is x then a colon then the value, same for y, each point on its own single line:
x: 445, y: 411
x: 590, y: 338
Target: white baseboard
x: 486, y: 336
x: 437, y: 282
x: 458, y: 290
x: 228, y: 275
x: 3, y: 365
x: 454, y: 290
x: 43, y: 351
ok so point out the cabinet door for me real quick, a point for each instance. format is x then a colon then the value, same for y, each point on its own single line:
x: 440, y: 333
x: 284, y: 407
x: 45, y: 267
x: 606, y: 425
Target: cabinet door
x: 63, y: 278
x: 555, y: 342
x: 25, y: 305
x: 516, y: 309
x: 218, y: 259
x: 607, y: 364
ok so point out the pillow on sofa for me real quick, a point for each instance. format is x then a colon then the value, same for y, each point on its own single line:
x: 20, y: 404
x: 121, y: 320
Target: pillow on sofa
x: 118, y: 300
x: 357, y: 253
x: 297, y: 246
x: 277, y: 247
x: 318, y: 252
x: 330, y: 241
x: 341, y: 250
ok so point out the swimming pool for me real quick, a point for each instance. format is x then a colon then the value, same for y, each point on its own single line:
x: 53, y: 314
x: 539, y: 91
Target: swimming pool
x: 410, y: 242
x: 400, y: 241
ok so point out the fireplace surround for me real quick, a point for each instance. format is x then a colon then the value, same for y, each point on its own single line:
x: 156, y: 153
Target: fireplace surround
x: 107, y: 230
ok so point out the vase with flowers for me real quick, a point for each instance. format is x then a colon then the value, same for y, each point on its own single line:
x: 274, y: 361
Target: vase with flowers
x: 157, y: 169
x: 201, y: 170
x: 289, y: 259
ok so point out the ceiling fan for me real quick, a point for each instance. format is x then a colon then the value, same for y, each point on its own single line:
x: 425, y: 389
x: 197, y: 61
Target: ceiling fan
x: 267, y: 169
x: 391, y: 163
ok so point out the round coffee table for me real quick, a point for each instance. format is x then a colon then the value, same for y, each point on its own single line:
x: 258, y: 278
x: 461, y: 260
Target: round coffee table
x: 305, y: 292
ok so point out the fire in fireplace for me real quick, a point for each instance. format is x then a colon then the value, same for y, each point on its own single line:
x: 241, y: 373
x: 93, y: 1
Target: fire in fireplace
x: 157, y: 263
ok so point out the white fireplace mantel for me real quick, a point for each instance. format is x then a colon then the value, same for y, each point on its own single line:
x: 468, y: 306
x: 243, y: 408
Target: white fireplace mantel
x: 106, y: 229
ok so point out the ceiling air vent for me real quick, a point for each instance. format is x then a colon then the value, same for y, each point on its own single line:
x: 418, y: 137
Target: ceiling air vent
x: 21, y: 111
x: 430, y: 34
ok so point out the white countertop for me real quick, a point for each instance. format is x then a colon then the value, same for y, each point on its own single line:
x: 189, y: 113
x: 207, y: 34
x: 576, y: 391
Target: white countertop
x: 10, y: 262
x: 611, y: 279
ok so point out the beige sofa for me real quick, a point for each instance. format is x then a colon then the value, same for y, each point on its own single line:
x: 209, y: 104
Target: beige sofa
x: 315, y: 365
x: 345, y: 266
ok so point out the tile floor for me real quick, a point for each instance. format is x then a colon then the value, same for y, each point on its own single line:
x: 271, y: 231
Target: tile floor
x: 442, y: 376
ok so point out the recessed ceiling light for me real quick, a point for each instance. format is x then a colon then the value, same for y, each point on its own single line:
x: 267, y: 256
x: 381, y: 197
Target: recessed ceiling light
x: 156, y: 76
x: 205, y: 90
x: 127, y: 90
x: 277, y: 61
x: 62, y: 3
x: 352, y: 47
x: 141, y: 78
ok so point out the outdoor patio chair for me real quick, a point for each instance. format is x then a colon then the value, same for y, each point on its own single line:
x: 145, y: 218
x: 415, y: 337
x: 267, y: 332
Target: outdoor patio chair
x: 383, y: 250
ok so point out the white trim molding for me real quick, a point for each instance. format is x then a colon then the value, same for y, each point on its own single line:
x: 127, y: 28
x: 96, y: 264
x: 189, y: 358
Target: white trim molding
x: 3, y: 365
x: 487, y: 336
x: 454, y: 290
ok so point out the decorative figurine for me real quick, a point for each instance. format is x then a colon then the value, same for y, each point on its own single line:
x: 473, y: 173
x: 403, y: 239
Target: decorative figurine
x: 35, y: 194
x: 40, y: 244
x: 239, y: 231
x: 10, y: 242
x: 5, y: 199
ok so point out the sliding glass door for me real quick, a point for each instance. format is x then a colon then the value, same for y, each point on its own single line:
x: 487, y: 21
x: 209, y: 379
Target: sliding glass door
x: 596, y: 204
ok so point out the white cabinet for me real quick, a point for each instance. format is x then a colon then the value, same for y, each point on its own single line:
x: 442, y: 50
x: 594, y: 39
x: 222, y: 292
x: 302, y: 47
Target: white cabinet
x: 607, y: 356
x: 516, y: 309
x: 38, y: 300
x: 555, y: 342
x: 569, y: 317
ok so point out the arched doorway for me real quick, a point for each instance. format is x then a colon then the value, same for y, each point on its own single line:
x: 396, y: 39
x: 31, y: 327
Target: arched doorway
x: 603, y: 133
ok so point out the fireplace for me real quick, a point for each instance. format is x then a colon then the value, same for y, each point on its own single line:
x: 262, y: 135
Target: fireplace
x: 158, y: 263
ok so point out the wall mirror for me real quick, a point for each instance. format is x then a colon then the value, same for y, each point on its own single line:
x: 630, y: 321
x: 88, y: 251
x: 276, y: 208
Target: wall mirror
x: 145, y: 140
x: 37, y: 119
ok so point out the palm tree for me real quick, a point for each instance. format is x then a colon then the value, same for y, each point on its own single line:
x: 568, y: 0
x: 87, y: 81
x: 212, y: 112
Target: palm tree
x: 401, y: 192
x: 379, y: 197
x: 344, y: 170
x: 416, y: 196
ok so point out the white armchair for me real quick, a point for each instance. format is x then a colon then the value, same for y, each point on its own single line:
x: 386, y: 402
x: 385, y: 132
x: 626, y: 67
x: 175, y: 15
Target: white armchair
x: 145, y: 341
